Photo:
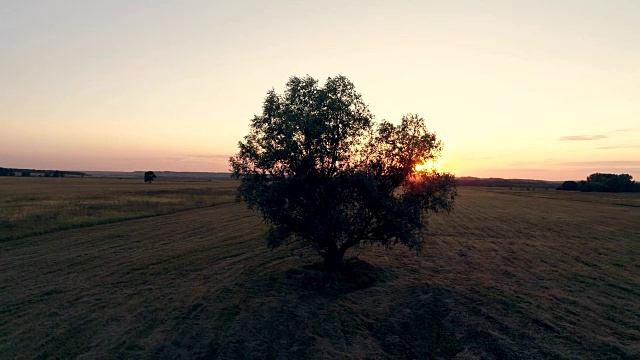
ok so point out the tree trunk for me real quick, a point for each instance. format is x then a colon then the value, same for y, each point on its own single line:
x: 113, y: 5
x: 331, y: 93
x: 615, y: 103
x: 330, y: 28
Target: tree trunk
x: 333, y: 258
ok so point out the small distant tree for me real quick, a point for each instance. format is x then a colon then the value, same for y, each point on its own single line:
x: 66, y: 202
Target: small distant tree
x: 325, y: 175
x: 568, y: 186
x: 149, y: 176
x: 25, y: 174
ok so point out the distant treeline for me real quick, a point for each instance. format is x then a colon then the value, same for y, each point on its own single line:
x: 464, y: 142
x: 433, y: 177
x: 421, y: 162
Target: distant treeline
x: 603, y: 183
x: 510, y: 183
x: 39, y: 173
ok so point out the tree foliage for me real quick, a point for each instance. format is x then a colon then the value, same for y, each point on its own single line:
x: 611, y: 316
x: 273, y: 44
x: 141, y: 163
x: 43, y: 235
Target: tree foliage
x: 323, y: 173
x: 602, y: 182
x: 149, y: 176
x: 5, y: 172
x: 568, y: 185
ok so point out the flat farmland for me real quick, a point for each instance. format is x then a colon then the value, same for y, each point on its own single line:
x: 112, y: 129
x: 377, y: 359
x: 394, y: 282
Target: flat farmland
x: 509, y: 274
x: 34, y: 205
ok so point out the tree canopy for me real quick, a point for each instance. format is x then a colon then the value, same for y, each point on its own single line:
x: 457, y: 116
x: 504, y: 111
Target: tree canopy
x: 149, y: 176
x: 568, y: 185
x: 603, y: 182
x: 323, y: 173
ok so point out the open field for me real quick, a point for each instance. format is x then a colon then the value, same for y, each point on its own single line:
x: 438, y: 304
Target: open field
x: 622, y: 199
x: 509, y: 274
x: 31, y: 206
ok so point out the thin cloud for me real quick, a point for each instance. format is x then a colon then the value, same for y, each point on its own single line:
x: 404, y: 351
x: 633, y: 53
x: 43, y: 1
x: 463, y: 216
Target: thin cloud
x: 621, y: 130
x: 619, y: 147
x: 593, y: 137
x: 622, y: 163
x: 583, y: 137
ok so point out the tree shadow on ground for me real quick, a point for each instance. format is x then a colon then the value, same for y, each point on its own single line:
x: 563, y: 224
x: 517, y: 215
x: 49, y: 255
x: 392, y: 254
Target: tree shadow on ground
x: 355, y: 275
x: 360, y: 312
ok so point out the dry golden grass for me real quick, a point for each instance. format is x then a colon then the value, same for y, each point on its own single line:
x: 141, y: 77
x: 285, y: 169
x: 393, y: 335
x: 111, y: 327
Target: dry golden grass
x: 30, y: 206
x: 507, y: 275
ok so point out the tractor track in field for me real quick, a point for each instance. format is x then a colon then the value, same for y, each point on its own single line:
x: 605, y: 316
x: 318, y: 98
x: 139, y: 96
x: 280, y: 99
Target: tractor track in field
x: 109, y: 265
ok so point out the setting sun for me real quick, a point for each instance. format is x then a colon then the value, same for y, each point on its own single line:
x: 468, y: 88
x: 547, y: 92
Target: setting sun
x: 428, y: 166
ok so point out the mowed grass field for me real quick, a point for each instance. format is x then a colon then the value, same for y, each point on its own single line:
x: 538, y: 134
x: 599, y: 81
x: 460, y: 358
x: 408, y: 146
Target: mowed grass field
x: 35, y: 205
x: 509, y: 274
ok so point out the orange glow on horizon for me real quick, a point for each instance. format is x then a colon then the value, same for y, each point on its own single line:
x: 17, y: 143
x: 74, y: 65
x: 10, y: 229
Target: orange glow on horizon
x: 428, y: 166
x: 440, y: 165
x: 179, y: 98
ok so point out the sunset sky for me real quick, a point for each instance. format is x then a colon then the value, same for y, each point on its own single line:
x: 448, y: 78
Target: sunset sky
x: 541, y: 89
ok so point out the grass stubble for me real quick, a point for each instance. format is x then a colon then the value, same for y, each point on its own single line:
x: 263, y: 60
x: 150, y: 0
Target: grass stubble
x: 509, y: 274
x: 34, y: 206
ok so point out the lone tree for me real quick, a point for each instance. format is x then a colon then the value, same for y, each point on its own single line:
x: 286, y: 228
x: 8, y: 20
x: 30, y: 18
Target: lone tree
x: 149, y: 176
x: 324, y: 174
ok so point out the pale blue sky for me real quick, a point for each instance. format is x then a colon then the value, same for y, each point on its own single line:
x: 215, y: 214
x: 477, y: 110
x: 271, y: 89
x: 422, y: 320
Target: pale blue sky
x: 510, y: 86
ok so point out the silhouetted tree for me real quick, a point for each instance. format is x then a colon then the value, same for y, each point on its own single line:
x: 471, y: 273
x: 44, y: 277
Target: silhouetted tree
x: 611, y: 182
x: 584, y: 186
x: 323, y: 173
x: 25, y: 174
x: 149, y: 176
x: 568, y: 186
x: 603, y: 183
